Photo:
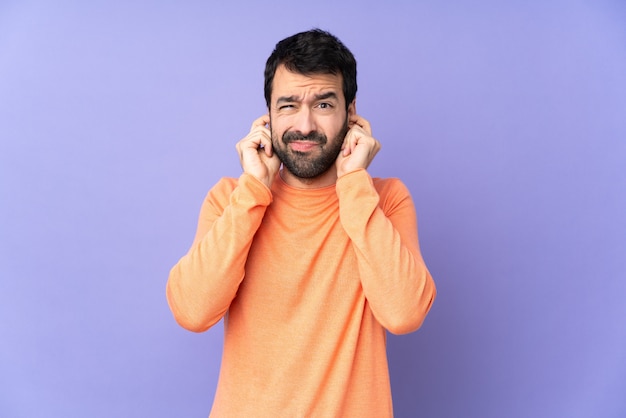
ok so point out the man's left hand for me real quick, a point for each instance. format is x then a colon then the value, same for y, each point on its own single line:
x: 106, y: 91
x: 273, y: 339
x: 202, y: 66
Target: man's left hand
x: 359, y: 147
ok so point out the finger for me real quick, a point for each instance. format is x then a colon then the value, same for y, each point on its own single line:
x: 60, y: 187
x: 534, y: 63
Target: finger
x: 258, y: 138
x: 262, y: 121
x: 267, y: 145
x: 350, y: 141
x: 361, y: 122
x: 261, y: 138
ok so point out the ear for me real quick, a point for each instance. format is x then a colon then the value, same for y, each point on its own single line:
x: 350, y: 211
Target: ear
x: 352, y: 109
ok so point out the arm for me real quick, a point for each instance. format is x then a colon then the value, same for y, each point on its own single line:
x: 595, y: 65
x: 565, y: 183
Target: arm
x: 395, y: 280
x: 203, y: 283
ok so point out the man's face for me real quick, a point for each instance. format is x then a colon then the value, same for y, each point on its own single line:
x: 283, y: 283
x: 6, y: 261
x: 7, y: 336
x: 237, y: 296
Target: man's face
x: 308, y: 121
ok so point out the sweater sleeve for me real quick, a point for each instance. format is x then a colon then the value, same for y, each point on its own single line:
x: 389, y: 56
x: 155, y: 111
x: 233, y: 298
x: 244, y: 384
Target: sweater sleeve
x: 203, y: 283
x: 395, y: 280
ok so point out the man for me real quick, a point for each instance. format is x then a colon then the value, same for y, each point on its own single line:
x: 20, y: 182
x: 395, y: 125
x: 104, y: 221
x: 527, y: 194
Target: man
x: 308, y: 264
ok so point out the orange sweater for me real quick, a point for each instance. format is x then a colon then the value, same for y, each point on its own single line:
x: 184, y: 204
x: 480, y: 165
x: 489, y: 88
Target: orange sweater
x: 307, y: 282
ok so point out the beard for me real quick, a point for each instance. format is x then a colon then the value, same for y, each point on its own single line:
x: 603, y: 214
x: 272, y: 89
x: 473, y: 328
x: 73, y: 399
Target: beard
x: 302, y: 164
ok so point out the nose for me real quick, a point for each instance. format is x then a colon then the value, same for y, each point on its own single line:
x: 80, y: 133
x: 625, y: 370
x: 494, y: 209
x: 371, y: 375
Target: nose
x: 304, y: 121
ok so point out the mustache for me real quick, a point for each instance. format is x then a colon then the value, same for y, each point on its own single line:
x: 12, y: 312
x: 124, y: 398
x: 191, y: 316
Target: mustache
x: 313, y: 136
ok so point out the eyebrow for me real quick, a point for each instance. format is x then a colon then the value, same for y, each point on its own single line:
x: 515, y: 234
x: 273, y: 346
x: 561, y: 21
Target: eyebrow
x: 296, y: 99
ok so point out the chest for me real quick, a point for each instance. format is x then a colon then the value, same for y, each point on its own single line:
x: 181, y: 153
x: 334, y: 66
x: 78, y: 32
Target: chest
x: 301, y: 255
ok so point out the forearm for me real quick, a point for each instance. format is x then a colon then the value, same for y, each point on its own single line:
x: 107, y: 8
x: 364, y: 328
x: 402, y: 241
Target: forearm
x: 203, y: 283
x: 394, y: 277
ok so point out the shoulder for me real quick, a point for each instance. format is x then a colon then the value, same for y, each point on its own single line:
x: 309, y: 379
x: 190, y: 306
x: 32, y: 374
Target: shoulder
x: 390, y: 185
x: 225, y: 185
x: 219, y: 195
x: 392, y: 192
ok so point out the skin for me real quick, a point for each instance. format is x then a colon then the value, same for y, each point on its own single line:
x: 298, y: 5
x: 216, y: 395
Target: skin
x: 304, y: 104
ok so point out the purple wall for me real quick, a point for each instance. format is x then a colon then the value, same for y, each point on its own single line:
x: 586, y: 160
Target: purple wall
x: 507, y: 122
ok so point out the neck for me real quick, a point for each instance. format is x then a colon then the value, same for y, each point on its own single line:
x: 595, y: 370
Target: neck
x: 325, y: 179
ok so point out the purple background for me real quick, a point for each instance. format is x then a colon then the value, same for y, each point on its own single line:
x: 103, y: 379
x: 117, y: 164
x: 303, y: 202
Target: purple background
x: 506, y: 121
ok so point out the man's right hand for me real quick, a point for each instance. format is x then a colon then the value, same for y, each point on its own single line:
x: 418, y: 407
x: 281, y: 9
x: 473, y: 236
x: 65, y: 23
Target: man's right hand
x: 255, y: 152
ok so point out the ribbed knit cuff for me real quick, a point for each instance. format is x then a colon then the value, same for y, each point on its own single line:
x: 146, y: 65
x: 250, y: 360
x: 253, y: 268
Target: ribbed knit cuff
x: 255, y: 190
